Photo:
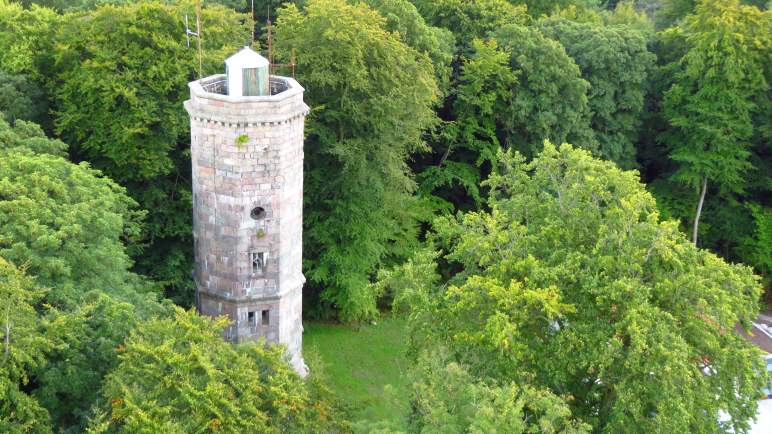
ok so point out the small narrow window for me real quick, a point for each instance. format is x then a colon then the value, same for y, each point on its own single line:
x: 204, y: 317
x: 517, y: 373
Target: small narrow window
x: 251, y: 318
x: 258, y: 262
x: 265, y: 317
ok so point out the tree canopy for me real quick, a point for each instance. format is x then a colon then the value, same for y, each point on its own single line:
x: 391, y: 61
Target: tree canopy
x: 65, y: 221
x: 373, y: 96
x: 24, y: 348
x: 712, y: 101
x: 615, y: 61
x: 177, y: 374
x: 572, y: 283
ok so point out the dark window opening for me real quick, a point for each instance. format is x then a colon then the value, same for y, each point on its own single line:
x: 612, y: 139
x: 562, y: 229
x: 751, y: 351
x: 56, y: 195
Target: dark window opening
x: 258, y: 262
x: 265, y: 317
x: 251, y: 318
x: 257, y: 213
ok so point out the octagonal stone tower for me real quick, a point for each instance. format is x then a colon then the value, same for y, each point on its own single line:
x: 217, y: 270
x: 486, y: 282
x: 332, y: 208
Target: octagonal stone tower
x: 247, y: 171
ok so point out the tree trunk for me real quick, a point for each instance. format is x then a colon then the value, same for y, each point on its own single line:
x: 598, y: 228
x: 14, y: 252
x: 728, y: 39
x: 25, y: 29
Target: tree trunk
x: 696, y: 224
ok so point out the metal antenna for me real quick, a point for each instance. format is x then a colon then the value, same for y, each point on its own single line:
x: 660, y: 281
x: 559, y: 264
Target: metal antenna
x: 252, y: 2
x: 188, y: 32
x: 197, y: 35
x: 273, y: 65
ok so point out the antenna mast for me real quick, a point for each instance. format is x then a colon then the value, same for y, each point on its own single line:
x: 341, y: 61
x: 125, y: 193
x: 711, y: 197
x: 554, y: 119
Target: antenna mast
x: 198, y: 39
x: 272, y: 65
x: 197, y: 35
x: 252, y: 22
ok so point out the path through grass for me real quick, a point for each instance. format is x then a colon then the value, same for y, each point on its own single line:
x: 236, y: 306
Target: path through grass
x: 366, y: 367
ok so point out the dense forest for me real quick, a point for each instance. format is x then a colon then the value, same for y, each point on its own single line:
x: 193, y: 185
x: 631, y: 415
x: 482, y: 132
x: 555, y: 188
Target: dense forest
x: 570, y: 202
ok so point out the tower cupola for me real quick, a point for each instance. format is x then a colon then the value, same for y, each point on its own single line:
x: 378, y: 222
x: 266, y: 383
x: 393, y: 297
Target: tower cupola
x: 247, y: 74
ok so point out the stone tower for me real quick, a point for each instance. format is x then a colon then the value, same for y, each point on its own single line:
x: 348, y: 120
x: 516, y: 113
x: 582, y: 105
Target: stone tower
x: 246, y: 131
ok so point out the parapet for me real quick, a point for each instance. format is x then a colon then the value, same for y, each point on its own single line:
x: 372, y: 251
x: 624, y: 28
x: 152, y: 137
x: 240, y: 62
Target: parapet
x: 209, y: 101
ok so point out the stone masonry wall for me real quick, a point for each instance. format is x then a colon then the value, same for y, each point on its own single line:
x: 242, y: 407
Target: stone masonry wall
x: 247, y: 152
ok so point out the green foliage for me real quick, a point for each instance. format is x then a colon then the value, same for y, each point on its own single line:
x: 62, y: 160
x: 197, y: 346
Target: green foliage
x: 20, y: 98
x: 549, y: 100
x: 672, y: 11
x: 177, y: 374
x: 615, y: 61
x: 26, y: 38
x: 87, y: 338
x: 120, y: 88
x: 372, y: 98
x: 513, y: 91
x: 69, y: 6
x: 65, y: 221
x: 23, y: 349
x: 571, y: 283
x: 626, y: 14
x: 712, y: 103
x: 242, y: 140
x: 470, y: 19
x: 67, y: 224
x: 483, y: 92
x: 403, y: 18
x: 28, y: 138
x: 755, y: 248
x: 577, y: 15
x: 538, y: 8
x: 448, y: 399
x: 121, y: 75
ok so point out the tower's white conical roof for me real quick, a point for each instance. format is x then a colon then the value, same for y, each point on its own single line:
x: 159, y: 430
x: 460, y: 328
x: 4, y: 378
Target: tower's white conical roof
x: 246, y: 58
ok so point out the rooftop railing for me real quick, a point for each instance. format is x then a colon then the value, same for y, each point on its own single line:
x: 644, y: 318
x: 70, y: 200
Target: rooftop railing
x: 219, y: 85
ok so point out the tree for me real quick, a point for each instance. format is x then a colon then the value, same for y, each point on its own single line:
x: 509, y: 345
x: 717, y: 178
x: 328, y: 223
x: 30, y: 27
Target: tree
x: 550, y: 98
x: 627, y: 13
x: 23, y: 348
x: 754, y: 248
x: 20, y: 98
x: 403, y: 18
x: 711, y: 104
x: 70, y: 6
x: 87, y: 339
x: 539, y: 8
x: 26, y: 37
x: 470, y: 19
x: 66, y: 222
x: 177, y: 374
x: 446, y: 398
x: 371, y: 97
x: 28, y: 137
x: 513, y: 91
x: 572, y: 283
x: 615, y: 61
x: 121, y: 75
x: 471, y: 139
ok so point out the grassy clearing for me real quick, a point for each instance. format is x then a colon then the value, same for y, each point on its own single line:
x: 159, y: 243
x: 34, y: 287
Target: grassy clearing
x: 366, y: 368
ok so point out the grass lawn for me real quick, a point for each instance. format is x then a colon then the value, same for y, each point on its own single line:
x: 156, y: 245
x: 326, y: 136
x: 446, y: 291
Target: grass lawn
x: 365, y: 366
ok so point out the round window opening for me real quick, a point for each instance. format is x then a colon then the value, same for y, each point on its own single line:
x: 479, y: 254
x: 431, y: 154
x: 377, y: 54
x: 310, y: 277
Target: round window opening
x: 257, y: 213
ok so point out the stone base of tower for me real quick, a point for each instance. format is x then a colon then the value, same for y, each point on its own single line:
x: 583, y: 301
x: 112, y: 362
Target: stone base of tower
x: 274, y: 319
